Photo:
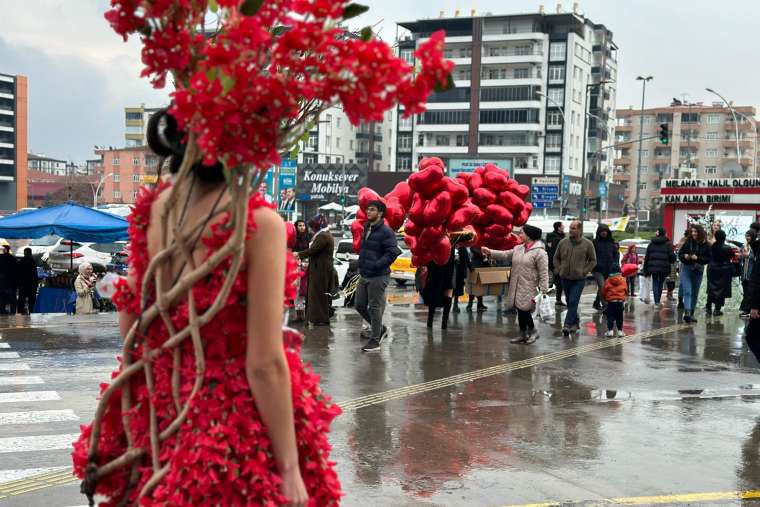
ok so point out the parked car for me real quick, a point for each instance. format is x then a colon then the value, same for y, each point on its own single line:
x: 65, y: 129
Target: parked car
x: 41, y: 247
x: 402, y: 270
x: 98, y: 254
x: 345, y: 250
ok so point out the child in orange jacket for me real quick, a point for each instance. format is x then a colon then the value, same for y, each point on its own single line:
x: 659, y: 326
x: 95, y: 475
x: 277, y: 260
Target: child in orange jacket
x: 614, y: 292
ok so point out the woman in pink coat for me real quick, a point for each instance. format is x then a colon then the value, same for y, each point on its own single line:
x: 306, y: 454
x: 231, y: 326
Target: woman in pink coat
x: 530, y: 271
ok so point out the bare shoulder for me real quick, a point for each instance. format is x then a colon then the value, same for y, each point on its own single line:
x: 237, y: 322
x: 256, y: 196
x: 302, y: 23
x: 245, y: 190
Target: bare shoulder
x: 268, y: 222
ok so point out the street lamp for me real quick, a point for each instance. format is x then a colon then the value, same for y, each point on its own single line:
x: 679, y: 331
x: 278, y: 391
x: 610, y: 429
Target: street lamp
x: 97, y: 190
x: 561, y: 165
x: 736, y: 123
x: 637, y: 202
x: 754, y: 144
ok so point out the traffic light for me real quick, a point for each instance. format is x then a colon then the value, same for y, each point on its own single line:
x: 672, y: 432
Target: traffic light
x: 595, y: 203
x: 664, y: 133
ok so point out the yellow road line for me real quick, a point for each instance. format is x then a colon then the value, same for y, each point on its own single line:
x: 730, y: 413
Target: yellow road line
x: 403, y: 392
x: 36, y: 482
x: 656, y: 499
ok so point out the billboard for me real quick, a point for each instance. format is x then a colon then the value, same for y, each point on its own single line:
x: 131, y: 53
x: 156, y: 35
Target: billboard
x: 330, y: 182
x: 460, y: 165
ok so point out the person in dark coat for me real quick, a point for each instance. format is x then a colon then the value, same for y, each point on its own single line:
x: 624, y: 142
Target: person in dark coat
x: 303, y: 238
x: 28, y: 282
x: 379, y: 249
x: 749, y: 265
x: 694, y: 255
x: 752, y: 333
x: 720, y: 272
x: 552, y: 240
x: 477, y: 260
x: 658, y: 261
x: 8, y: 281
x: 321, y: 272
x: 607, y: 255
x: 439, y: 289
x: 463, y: 268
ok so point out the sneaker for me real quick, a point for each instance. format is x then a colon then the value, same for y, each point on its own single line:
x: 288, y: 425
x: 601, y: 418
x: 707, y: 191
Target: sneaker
x: 531, y: 337
x: 520, y: 339
x: 610, y: 333
x: 620, y: 333
x: 384, y: 334
x: 717, y: 313
x: 559, y: 303
x: 371, y: 346
x: 565, y: 332
x: 482, y: 308
x: 744, y: 315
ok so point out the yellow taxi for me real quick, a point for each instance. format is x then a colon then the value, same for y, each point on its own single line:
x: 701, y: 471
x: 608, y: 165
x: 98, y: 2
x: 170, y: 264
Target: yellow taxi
x: 402, y: 270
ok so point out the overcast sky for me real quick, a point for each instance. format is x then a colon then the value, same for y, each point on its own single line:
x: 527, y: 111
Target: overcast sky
x: 81, y: 74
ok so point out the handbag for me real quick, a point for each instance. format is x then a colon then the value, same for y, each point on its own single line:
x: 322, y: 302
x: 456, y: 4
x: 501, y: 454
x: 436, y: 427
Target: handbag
x: 645, y: 287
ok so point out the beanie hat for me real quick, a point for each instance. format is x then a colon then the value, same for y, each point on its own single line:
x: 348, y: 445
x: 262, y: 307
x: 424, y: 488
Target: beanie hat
x: 615, y: 269
x: 534, y: 233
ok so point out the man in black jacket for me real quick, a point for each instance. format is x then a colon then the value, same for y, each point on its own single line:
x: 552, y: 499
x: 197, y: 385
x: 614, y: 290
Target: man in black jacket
x: 378, y: 251
x: 28, y: 282
x: 607, y: 255
x: 753, y: 329
x: 658, y: 262
x: 552, y: 240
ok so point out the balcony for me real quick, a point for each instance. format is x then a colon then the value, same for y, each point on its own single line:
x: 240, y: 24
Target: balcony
x: 743, y: 126
x: 495, y: 35
x: 621, y: 178
x: 366, y: 135
x: 622, y: 161
x: 366, y: 155
x: 624, y: 128
x: 743, y: 143
x: 441, y: 150
x: 686, y: 143
x: 507, y: 57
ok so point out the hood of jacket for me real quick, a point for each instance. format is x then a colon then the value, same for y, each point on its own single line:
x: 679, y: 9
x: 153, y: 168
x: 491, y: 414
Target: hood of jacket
x: 660, y: 240
x: 604, y: 227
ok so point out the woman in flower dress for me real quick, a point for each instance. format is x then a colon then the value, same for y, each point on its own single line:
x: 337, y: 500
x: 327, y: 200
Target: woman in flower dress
x: 256, y: 433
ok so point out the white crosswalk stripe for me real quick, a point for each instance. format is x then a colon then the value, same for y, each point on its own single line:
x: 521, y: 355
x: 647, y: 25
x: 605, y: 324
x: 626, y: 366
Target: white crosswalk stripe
x: 21, y: 380
x: 5, y: 345
x: 14, y: 366
x: 37, y: 443
x: 37, y: 417
x: 15, y: 475
x: 29, y: 396
x: 9, y: 355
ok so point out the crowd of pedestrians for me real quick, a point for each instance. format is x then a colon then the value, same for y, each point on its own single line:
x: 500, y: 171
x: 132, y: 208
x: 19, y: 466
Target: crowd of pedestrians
x: 18, y: 282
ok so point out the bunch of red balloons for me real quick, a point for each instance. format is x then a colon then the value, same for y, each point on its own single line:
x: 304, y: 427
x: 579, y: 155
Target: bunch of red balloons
x: 486, y: 204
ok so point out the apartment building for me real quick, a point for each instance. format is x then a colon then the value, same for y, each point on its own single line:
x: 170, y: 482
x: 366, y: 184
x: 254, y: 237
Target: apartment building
x: 13, y: 142
x: 523, y: 85
x: 136, y: 124
x: 703, y: 144
x: 122, y: 172
x: 335, y: 140
x: 47, y: 165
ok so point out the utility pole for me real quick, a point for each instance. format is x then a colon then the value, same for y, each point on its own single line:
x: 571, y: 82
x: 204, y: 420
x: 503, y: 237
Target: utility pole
x: 637, y: 202
x: 586, y: 114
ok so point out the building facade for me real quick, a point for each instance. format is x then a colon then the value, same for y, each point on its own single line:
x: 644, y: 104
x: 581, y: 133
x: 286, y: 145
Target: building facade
x: 702, y: 145
x: 13, y: 142
x: 122, y: 172
x: 48, y: 165
x: 136, y: 124
x: 523, y: 84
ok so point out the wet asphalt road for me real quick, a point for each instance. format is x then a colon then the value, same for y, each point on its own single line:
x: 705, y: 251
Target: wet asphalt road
x: 670, y: 410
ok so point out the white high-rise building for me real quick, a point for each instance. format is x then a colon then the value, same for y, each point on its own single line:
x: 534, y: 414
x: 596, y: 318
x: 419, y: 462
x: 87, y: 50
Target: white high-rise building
x: 524, y: 84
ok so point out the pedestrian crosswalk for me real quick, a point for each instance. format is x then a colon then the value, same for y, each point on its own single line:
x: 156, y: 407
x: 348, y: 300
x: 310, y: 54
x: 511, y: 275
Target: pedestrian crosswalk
x: 36, y: 430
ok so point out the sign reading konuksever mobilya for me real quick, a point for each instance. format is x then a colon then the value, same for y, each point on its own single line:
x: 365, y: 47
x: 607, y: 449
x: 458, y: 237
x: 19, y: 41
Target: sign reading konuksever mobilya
x: 329, y: 182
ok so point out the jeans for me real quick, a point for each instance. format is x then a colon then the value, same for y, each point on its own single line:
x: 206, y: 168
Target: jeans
x: 558, y: 286
x: 370, y: 302
x: 573, y: 291
x: 615, y: 315
x: 525, y: 319
x: 691, y: 280
x: 658, y: 280
x: 631, y: 281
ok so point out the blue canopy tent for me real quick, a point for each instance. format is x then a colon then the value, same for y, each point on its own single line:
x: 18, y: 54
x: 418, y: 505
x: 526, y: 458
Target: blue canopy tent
x: 71, y: 221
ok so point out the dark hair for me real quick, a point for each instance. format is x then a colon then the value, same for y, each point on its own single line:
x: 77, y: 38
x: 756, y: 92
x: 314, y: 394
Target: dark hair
x: 377, y: 204
x: 755, y: 226
x: 752, y: 234
x: 27, y: 250
x: 168, y: 143
x: 701, y: 234
x: 662, y: 232
x: 557, y: 225
x: 720, y: 236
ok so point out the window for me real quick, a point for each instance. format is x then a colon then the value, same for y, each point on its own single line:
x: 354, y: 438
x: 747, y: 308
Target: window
x: 351, y: 144
x: 712, y: 153
x: 115, y: 160
x: 642, y: 186
x: 445, y: 117
x: 313, y: 142
x: 135, y: 178
x: 508, y: 139
x: 577, y: 73
x: 404, y: 142
x: 465, y: 75
x: 134, y: 195
x: 465, y: 52
x: 328, y: 140
x: 407, y: 55
x: 134, y: 116
x: 309, y: 159
x: 556, y: 96
x: 405, y: 123
x: 712, y: 135
x: 117, y: 178
x: 557, y: 51
x: 507, y: 93
x: 405, y: 163
x: 463, y: 140
x: 136, y: 161
x: 552, y: 165
x: 521, y: 73
x: 442, y: 140
x: 131, y: 129
x: 337, y: 140
x: 713, y: 119
x: 556, y: 73
x: 644, y: 153
x: 553, y: 141
x: 506, y: 116
x: 644, y: 169
x: 711, y: 169
x: 421, y: 140
x: 554, y: 119
x: 116, y: 194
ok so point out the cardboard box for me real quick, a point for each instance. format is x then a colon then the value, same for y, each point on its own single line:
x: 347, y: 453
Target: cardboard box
x: 488, y: 281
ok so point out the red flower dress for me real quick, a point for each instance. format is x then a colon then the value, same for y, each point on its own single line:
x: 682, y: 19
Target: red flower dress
x: 221, y: 455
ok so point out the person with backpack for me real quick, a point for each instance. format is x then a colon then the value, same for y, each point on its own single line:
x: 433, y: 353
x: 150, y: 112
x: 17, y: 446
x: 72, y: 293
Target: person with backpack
x: 658, y: 262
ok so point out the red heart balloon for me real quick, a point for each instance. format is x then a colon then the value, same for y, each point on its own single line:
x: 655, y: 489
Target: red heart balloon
x: 365, y: 196
x: 434, y: 161
x: 476, y: 181
x: 361, y: 214
x: 499, y: 214
x: 461, y: 218
x: 523, y: 217
x: 357, y: 230
x: 496, y: 180
x: 459, y: 192
x: 403, y: 192
x: 394, y: 214
x: 422, y: 259
x: 427, y: 182
x: 437, y: 209
x: 496, y: 230
x: 480, y: 171
x: 483, y: 197
x: 512, y: 202
x: 522, y: 191
x: 412, y: 229
x: 411, y: 242
x: 442, y: 251
x: 417, y: 211
x: 430, y: 236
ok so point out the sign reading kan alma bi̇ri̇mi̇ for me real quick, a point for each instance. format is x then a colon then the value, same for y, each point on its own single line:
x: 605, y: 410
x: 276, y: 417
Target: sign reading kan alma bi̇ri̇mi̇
x: 329, y: 182
x: 711, y: 191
